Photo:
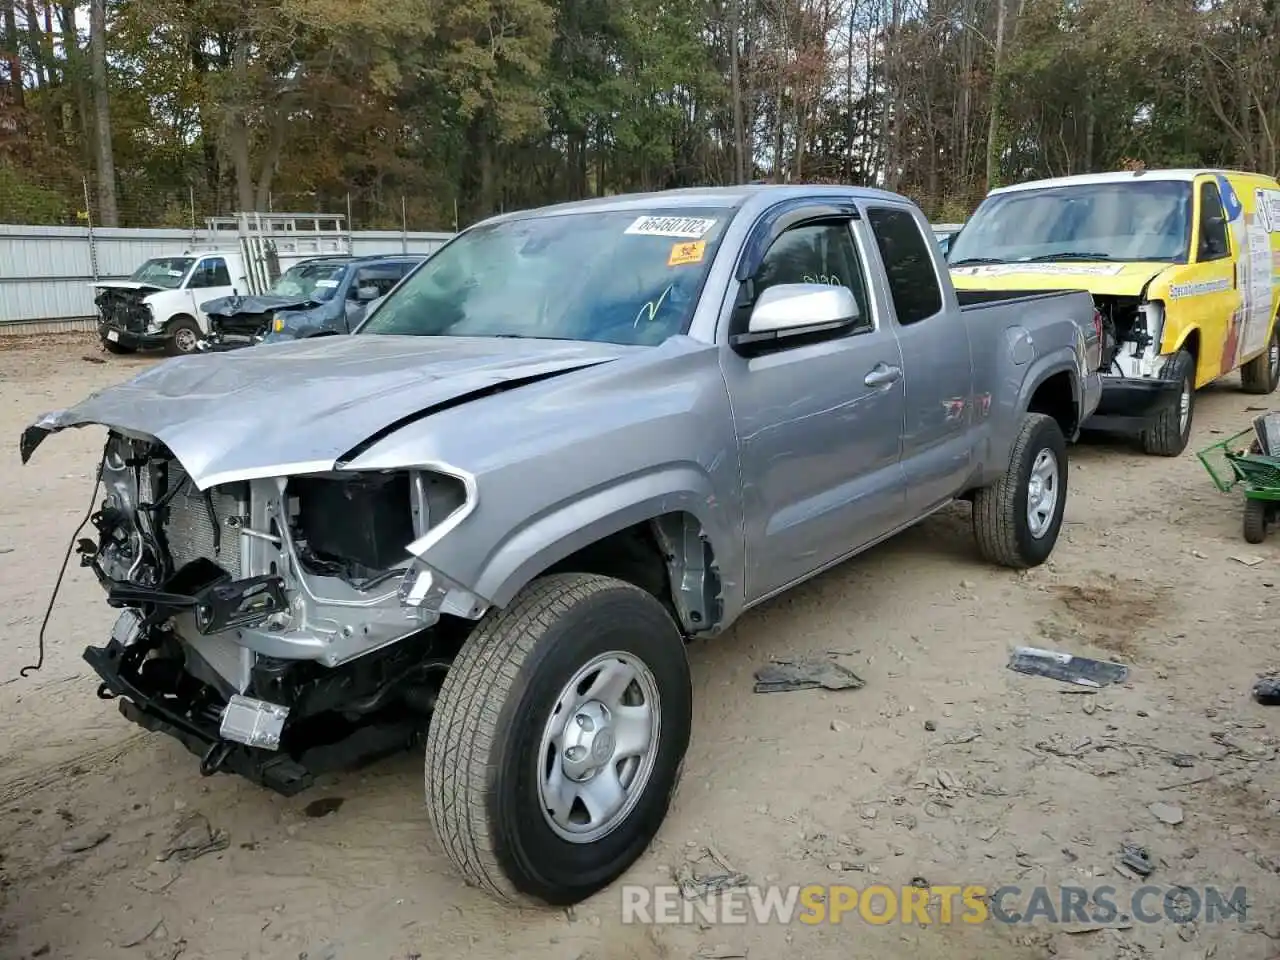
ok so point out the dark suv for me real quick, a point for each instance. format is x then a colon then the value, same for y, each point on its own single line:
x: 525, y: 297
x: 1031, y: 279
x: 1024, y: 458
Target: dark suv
x: 321, y: 295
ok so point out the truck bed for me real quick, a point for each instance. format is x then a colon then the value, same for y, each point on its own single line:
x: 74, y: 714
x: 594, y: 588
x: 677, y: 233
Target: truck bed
x: 975, y: 299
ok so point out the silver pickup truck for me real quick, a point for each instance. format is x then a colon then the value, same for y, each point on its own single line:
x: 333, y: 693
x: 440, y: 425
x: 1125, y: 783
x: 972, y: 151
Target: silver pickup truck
x: 572, y: 440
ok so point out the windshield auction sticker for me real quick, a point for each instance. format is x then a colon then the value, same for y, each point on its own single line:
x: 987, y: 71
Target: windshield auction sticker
x: 681, y: 228
x: 683, y: 253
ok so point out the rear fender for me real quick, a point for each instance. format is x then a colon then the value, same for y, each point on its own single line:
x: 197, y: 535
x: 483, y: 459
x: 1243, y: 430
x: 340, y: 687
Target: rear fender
x: 1006, y: 423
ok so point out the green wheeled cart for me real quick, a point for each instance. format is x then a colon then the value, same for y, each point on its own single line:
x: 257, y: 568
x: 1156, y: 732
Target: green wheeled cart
x: 1249, y: 459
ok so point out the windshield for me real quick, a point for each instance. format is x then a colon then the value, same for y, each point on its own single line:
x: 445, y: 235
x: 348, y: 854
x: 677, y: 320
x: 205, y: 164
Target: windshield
x: 618, y: 277
x: 310, y: 281
x: 163, y: 271
x: 1129, y: 221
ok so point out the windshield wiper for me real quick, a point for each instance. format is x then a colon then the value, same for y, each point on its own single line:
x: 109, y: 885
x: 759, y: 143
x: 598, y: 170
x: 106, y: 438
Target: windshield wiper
x: 972, y: 260
x: 1069, y: 255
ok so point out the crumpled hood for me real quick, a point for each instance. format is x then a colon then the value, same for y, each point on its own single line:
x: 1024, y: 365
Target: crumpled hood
x: 299, y: 406
x: 231, y: 306
x: 126, y: 285
x: 1098, y: 277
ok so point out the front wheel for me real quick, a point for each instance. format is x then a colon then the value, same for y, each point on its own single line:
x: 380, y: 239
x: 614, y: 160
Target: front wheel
x: 1261, y: 375
x: 1171, y: 429
x: 1017, y: 519
x: 1255, y: 520
x: 184, y: 337
x: 558, y: 738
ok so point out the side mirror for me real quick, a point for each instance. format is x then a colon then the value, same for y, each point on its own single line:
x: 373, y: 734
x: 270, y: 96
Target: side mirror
x: 365, y: 294
x: 799, y: 309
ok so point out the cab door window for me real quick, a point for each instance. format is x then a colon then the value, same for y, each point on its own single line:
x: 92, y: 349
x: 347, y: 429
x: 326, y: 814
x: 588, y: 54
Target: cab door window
x: 211, y: 272
x: 908, y: 264
x: 1213, y: 243
x: 817, y: 253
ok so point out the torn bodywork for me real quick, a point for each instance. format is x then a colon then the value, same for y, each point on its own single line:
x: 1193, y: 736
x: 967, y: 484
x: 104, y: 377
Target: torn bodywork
x: 241, y: 321
x: 245, y: 605
x: 1133, y: 367
x: 124, y: 308
x: 290, y: 592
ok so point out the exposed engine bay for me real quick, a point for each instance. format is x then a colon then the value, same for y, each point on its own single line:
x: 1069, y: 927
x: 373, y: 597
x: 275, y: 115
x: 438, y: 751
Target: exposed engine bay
x: 281, y: 625
x: 1132, y: 329
x: 241, y: 327
x: 242, y: 321
x: 124, y: 309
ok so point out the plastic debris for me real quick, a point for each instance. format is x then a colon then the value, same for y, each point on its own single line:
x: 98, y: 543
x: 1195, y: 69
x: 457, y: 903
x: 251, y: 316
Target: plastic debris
x: 1081, y: 671
x: 783, y: 676
x: 1166, y: 812
x: 1267, y: 691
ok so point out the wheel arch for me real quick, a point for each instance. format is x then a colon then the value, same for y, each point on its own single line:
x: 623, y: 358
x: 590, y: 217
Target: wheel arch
x: 1053, y: 383
x: 1193, y: 343
x: 654, y: 531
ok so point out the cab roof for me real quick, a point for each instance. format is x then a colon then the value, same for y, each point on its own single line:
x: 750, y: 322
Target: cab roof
x: 1122, y: 176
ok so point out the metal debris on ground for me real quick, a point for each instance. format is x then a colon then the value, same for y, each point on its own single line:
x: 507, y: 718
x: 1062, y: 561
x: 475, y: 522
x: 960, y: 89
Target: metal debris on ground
x: 1081, y: 671
x: 782, y: 676
x: 721, y: 952
x: 696, y: 884
x: 1136, y: 859
x: 193, y: 837
x: 145, y: 937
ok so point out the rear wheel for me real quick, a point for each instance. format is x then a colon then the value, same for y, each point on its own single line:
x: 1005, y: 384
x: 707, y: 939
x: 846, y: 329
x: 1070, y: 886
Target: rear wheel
x: 184, y: 337
x: 1255, y: 520
x: 1262, y: 373
x: 1016, y: 521
x: 558, y: 739
x: 1171, y: 429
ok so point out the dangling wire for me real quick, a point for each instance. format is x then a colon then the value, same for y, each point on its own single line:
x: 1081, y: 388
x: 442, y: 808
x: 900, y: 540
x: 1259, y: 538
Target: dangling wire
x: 93, y: 499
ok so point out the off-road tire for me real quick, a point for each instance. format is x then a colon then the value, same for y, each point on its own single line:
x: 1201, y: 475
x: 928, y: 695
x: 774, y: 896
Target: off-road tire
x: 1000, y: 524
x: 1255, y: 520
x: 1261, y: 375
x: 175, y: 336
x: 485, y: 733
x: 119, y: 349
x: 1165, y: 437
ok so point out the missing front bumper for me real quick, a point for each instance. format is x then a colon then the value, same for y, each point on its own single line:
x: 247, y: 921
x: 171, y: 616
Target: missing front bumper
x: 152, y: 710
x: 196, y: 723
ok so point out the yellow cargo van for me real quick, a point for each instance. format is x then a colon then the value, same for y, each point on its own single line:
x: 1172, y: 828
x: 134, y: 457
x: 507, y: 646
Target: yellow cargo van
x: 1183, y: 265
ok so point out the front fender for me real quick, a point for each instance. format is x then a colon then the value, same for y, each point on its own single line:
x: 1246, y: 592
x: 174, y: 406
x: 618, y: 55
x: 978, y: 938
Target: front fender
x: 571, y: 525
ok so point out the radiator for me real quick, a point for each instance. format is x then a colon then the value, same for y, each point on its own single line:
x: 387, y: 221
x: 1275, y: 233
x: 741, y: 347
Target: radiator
x: 189, y: 530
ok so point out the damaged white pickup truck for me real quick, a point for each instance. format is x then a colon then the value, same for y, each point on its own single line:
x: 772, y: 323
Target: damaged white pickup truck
x: 571, y: 440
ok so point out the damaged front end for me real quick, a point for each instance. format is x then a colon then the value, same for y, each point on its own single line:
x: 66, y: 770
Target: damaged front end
x: 277, y: 627
x: 236, y: 322
x: 1135, y: 385
x: 124, y: 317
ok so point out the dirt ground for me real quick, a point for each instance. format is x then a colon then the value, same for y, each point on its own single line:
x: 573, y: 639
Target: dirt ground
x: 945, y: 766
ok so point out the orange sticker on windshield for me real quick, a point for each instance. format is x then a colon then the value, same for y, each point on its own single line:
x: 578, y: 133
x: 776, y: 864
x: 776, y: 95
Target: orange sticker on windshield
x: 682, y: 253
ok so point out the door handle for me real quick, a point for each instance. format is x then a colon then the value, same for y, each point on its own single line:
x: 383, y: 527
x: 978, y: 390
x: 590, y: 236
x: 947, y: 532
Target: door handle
x: 882, y: 375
